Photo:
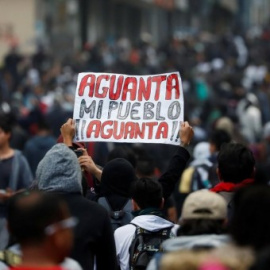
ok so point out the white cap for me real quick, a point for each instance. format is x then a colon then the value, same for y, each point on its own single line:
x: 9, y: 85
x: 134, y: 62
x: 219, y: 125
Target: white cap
x: 204, y: 204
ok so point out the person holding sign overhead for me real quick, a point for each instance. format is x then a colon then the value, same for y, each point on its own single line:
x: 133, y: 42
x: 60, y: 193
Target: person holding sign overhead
x: 118, y: 175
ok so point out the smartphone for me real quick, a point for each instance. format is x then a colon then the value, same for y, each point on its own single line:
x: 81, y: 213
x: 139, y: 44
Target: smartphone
x: 78, y: 153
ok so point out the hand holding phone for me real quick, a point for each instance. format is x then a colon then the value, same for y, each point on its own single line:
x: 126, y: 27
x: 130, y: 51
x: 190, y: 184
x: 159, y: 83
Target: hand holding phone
x: 78, y: 152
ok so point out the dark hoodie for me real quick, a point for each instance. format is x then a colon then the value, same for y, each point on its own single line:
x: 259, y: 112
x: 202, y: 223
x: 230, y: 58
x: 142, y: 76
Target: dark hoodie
x: 59, y: 171
x: 118, y: 175
x: 116, y: 180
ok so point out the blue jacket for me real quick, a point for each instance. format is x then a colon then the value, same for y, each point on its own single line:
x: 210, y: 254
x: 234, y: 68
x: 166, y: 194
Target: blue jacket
x: 20, y: 175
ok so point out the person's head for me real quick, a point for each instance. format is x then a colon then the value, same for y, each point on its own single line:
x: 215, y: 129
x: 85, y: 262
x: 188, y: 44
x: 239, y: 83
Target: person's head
x: 145, y: 163
x: 217, y: 138
x: 201, y: 151
x: 146, y: 193
x: 76, y: 148
x: 225, y: 123
x: 117, y: 177
x: 145, y: 167
x: 60, y: 171
x: 123, y: 152
x: 43, y: 126
x: 5, y: 130
x: 250, y: 221
x: 41, y: 221
x: 235, y: 163
x: 203, y: 212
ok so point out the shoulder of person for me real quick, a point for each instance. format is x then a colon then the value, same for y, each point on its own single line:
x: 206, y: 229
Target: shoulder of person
x: 82, y: 205
x: 125, y: 230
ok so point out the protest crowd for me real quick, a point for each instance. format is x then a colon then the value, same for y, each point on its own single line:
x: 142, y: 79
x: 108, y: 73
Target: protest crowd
x: 201, y: 204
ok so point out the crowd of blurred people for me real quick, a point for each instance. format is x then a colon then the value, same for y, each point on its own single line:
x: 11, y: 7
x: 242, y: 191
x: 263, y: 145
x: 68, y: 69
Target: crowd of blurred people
x: 226, y: 85
x: 224, y: 76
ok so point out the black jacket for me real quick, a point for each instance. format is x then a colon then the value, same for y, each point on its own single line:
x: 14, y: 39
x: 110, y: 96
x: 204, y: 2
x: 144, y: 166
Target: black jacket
x: 167, y: 180
x: 93, y: 236
x: 175, y: 169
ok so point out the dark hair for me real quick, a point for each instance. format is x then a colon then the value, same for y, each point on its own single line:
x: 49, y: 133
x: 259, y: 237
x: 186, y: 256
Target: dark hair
x: 250, y: 221
x: 30, y: 212
x: 147, y: 192
x: 235, y: 162
x: 201, y: 226
x: 5, y: 123
x: 219, y: 137
x: 123, y: 152
x: 43, y: 125
x: 145, y: 166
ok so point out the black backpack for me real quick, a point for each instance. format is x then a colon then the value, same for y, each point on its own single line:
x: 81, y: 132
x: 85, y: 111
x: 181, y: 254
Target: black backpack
x: 144, y: 246
x: 118, y: 218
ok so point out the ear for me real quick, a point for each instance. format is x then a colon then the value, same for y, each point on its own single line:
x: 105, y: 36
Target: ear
x: 57, y: 238
x: 135, y: 206
x: 218, y: 174
x: 62, y: 241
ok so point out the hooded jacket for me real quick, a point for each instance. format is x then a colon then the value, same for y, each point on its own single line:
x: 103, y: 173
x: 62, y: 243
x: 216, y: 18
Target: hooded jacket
x: 189, y: 242
x: 59, y: 171
x: 123, y: 236
x: 118, y: 175
x: 20, y: 176
x: 195, y: 241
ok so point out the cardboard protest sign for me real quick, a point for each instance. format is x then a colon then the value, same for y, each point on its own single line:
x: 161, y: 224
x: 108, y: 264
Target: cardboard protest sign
x: 125, y: 108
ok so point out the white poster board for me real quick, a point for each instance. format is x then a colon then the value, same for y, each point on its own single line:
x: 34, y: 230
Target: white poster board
x: 125, y: 108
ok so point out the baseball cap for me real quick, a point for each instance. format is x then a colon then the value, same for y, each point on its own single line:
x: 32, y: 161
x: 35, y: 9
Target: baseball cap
x: 204, y: 204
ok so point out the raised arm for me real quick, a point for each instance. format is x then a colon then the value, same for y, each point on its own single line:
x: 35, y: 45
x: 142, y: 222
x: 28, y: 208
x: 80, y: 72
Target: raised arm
x: 86, y: 162
x: 68, y: 132
x: 178, y: 162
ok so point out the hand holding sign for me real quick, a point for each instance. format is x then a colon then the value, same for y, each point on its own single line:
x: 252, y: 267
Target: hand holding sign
x: 186, y: 134
x: 68, y: 132
x: 87, y: 163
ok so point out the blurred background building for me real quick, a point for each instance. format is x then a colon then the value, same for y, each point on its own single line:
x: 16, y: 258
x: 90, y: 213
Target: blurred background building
x: 65, y: 25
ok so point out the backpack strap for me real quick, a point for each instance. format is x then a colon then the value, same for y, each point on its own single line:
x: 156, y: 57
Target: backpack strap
x: 128, y: 206
x: 138, y: 246
x: 132, y: 254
